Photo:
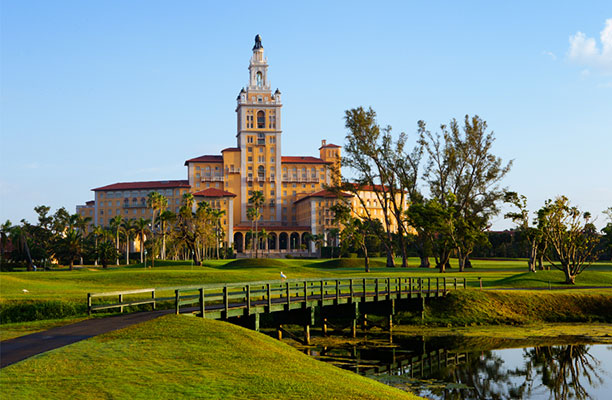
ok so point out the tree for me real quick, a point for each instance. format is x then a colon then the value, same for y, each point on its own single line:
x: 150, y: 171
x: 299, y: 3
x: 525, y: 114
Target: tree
x: 70, y: 246
x: 463, y: 177
x: 565, y: 228
x: 142, y: 229
x: 354, y: 231
x: 106, y: 252
x: 607, y: 232
x: 98, y: 233
x: 115, y: 224
x: 332, y: 236
x: 128, y: 227
x: 257, y: 201
x: 165, y: 218
x: 5, y: 231
x: 532, y: 234
x: 365, y: 151
x: 158, y: 203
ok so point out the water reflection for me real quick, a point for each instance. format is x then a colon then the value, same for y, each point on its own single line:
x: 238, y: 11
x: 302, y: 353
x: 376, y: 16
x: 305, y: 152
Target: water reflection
x: 426, y: 368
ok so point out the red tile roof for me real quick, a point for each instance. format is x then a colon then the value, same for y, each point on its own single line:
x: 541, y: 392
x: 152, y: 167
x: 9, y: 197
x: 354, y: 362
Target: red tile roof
x: 144, y: 185
x: 302, y: 160
x: 324, y: 194
x: 231, y: 149
x: 212, y: 192
x: 206, y: 158
x: 330, y: 146
x: 370, y: 188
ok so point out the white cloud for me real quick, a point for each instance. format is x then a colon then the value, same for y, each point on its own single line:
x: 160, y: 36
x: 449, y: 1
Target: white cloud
x: 586, y: 52
x: 550, y: 54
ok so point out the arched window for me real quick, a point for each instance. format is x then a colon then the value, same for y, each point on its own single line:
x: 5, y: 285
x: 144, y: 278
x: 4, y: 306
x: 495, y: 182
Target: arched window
x: 261, y: 172
x: 259, y: 78
x: 261, y: 120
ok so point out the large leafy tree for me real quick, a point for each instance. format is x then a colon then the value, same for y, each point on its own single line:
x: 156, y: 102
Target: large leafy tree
x: 568, y: 232
x: 354, y: 231
x: 70, y: 246
x: 368, y: 152
x: 463, y: 176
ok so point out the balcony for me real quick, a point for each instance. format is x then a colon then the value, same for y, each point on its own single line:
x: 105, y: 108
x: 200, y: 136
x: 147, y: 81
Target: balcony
x: 232, y: 170
x: 134, y: 205
x: 212, y: 178
x: 300, y: 179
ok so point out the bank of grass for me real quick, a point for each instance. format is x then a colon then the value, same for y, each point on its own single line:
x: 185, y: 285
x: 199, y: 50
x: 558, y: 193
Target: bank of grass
x: 16, y: 329
x: 474, y: 307
x: 184, y: 357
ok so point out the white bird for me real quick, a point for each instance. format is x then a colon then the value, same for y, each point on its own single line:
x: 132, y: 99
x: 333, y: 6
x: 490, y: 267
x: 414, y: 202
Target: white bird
x: 25, y: 291
x: 283, y: 276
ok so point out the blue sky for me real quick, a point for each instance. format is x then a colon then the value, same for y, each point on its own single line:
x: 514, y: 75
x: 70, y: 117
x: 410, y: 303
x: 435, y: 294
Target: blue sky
x: 93, y: 93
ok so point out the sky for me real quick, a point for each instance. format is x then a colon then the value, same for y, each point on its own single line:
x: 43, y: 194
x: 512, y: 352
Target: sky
x: 94, y: 93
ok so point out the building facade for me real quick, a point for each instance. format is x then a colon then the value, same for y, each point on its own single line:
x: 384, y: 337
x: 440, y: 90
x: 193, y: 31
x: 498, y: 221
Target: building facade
x: 296, y: 202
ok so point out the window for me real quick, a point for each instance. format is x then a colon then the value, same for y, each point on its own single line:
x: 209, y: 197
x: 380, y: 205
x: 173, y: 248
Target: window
x: 261, y: 120
x: 272, y: 193
x: 272, y: 139
x: 250, y: 168
x: 250, y: 159
x: 249, y: 139
x: 250, y: 149
x: 261, y: 149
x: 272, y: 124
x: 261, y: 159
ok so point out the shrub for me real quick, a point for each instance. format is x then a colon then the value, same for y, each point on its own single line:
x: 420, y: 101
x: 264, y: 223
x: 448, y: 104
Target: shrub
x: 22, y: 311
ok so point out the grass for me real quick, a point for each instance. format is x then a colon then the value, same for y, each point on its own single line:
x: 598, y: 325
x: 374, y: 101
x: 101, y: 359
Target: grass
x: 70, y: 288
x: 184, y: 357
x: 16, y: 329
x: 474, y: 307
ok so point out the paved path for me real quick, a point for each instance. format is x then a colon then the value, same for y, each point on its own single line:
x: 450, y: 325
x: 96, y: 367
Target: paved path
x: 20, y: 348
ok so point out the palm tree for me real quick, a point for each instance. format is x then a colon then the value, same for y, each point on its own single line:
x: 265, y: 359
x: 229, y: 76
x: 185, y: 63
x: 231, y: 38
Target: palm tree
x: 129, y: 229
x: 265, y: 235
x: 158, y: 203
x: 72, y: 245
x: 165, y: 218
x: 257, y: 201
x: 251, y: 211
x: 5, y: 231
x: 216, y: 216
x: 142, y: 228
x: 115, y: 224
x: 333, y: 236
x: 98, y: 232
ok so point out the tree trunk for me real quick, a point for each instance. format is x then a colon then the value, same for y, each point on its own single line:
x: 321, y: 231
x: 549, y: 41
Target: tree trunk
x: 403, y: 248
x: 117, y: 246
x: 367, y: 259
x: 424, y: 262
x: 141, y: 247
x: 569, y: 277
x: 71, y: 264
x: 389, y: 249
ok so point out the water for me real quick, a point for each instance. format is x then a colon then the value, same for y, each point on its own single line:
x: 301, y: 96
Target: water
x: 451, y: 368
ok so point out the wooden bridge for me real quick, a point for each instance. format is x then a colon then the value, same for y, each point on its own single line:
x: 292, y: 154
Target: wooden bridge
x: 251, y: 299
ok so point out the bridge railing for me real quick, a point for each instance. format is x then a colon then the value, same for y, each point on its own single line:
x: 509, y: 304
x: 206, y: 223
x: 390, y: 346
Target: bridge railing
x: 226, y: 296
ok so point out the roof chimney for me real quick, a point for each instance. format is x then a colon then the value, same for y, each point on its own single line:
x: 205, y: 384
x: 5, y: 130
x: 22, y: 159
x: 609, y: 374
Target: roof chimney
x: 323, y: 142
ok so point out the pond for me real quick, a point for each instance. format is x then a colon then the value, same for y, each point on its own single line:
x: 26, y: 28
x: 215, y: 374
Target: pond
x: 455, y: 367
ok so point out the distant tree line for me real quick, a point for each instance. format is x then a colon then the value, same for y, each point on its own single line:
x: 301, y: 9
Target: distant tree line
x: 195, y: 232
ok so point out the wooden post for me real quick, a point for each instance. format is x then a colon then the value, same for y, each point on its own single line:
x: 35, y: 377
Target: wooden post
x: 337, y: 290
x: 288, y: 293
x: 201, y: 302
x: 279, y: 332
x: 248, y: 299
x: 364, y: 287
x: 444, y: 279
x: 269, y: 297
x: 376, y: 289
x: 121, y: 301
x: 409, y: 288
x: 355, y: 319
x: 256, y: 322
x: 153, y: 297
x: 89, y: 304
x: 305, y: 292
x: 351, y: 288
x: 455, y: 283
x: 322, y: 289
x: 176, y: 301
x: 480, y: 281
x: 437, y: 287
x: 388, y: 283
x: 307, y: 334
x: 428, y: 287
x: 225, y: 301
x: 464, y: 283
x: 354, y: 328
x: 324, y: 327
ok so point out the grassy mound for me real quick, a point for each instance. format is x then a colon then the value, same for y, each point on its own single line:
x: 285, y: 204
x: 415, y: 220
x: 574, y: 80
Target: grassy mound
x: 506, y: 307
x: 254, y: 262
x: 348, y: 263
x: 555, y: 278
x: 184, y: 357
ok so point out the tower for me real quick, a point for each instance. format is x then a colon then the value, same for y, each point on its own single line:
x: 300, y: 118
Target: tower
x: 259, y: 138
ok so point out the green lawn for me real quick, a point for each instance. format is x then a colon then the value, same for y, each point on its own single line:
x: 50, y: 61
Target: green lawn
x: 74, y: 285
x: 184, y: 357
